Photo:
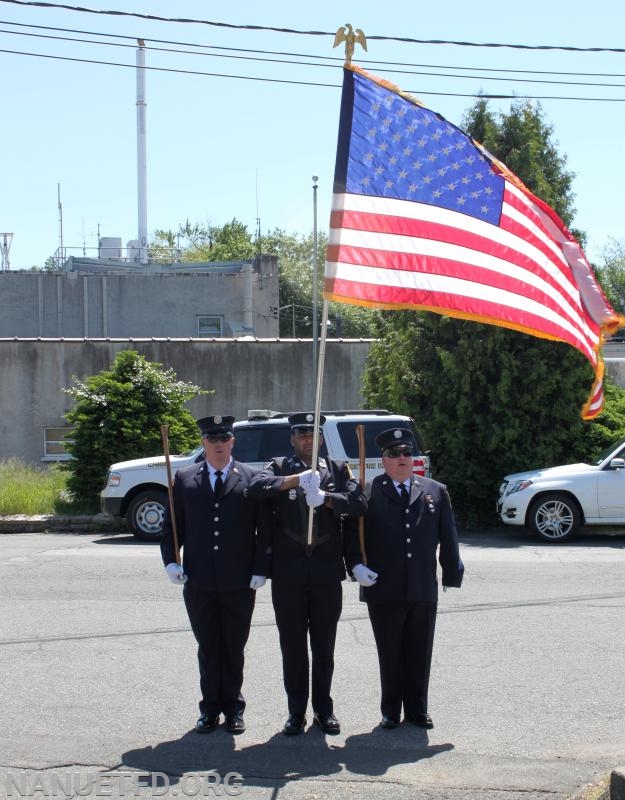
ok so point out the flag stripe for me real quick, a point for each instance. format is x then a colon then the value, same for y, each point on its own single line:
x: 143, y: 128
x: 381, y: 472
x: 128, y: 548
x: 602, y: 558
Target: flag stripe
x: 423, y: 217
x: 473, y: 300
x: 400, y: 217
x: 424, y: 246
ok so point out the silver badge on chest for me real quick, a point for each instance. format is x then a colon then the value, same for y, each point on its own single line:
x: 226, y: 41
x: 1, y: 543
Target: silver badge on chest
x: 292, y: 494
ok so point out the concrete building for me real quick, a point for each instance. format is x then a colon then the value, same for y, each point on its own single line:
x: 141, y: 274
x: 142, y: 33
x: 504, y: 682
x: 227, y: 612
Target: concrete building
x: 101, y: 298
x: 242, y: 374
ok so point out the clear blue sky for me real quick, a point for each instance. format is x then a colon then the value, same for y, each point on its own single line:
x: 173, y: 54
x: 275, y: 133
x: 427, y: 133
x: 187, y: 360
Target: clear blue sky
x: 222, y: 147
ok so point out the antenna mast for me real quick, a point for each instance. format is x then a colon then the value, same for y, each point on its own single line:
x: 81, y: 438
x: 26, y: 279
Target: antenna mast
x: 258, y: 240
x: 7, y: 238
x: 61, y: 256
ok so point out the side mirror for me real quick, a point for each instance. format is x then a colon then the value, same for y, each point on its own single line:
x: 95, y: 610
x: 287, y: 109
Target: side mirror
x: 617, y: 463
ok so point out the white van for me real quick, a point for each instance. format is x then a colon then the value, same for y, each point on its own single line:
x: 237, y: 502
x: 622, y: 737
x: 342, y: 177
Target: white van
x: 137, y: 489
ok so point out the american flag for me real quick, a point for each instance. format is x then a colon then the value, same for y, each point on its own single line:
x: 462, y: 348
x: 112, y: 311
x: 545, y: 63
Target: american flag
x: 423, y: 217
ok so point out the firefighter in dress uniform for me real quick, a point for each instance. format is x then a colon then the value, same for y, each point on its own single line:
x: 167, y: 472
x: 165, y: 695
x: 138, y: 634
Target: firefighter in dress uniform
x: 409, y: 522
x: 306, y: 581
x: 218, y: 526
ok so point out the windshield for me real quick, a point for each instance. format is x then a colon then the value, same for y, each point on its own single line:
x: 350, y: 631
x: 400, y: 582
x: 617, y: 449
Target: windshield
x: 195, y: 452
x: 616, y: 450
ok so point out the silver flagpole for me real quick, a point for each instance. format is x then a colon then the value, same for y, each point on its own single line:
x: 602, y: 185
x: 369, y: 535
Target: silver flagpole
x: 315, y: 452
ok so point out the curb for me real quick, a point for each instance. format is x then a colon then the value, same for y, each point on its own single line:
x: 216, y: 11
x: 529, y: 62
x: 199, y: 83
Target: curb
x: 59, y: 523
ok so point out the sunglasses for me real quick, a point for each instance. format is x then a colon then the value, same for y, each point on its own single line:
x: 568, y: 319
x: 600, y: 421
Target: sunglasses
x: 396, y: 452
x: 217, y: 437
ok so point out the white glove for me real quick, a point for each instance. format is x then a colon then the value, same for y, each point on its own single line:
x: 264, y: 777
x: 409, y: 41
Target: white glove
x: 257, y: 582
x: 315, y: 497
x: 309, y: 479
x: 175, y: 573
x: 364, y: 575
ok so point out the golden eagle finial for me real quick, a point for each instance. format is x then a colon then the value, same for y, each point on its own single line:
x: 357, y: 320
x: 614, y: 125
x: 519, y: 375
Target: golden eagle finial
x: 350, y: 36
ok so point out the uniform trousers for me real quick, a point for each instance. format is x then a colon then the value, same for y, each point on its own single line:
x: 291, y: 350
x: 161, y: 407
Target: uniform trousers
x: 404, y: 636
x: 220, y: 622
x: 302, y: 611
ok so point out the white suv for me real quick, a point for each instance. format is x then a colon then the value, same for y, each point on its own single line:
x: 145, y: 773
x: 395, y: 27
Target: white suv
x: 555, y: 502
x: 137, y: 489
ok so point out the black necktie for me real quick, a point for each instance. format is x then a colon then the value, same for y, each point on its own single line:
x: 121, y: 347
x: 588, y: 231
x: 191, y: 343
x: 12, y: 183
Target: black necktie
x: 219, y: 484
x: 405, y: 497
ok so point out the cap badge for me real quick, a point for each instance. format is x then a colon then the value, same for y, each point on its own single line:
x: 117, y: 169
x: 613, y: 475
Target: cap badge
x: 397, y: 434
x: 217, y: 420
x: 309, y: 418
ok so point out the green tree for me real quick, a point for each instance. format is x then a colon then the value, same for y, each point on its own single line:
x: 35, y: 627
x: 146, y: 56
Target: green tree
x: 295, y: 259
x: 491, y: 400
x: 204, y: 242
x: 612, y: 273
x: 229, y: 242
x: 117, y: 416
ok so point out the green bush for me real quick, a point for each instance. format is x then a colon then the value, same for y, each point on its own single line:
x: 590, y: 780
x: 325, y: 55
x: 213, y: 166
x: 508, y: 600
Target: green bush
x: 118, y: 416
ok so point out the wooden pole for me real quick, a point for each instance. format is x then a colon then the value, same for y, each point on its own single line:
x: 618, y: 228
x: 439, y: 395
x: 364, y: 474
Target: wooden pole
x: 362, y: 455
x: 170, y: 490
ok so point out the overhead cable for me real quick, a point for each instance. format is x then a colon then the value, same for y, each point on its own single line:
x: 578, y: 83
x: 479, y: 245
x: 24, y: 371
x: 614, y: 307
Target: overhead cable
x: 481, y: 95
x: 404, y: 39
x: 265, y: 60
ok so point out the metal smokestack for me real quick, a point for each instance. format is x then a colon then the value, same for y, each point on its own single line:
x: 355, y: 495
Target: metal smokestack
x: 142, y: 200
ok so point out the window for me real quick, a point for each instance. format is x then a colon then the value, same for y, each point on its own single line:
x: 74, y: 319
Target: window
x: 347, y: 431
x: 258, y: 445
x: 210, y: 327
x: 247, y: 444
x: 54, y: 440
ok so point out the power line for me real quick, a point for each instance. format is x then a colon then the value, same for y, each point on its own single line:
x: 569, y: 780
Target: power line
x: 308, y: 64
x: 171, y: 69
x: 421, y: 92
x: 404, y: 39
x: 333, y: 59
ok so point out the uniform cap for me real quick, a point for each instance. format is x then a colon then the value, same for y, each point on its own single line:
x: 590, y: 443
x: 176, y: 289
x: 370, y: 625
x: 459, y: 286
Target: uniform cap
x: 394, y: 437
x: 215, y: 425
x: 304, y: 421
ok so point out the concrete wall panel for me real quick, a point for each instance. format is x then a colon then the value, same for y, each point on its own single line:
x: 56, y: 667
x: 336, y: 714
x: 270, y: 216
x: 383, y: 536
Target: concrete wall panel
x: 244, y: 374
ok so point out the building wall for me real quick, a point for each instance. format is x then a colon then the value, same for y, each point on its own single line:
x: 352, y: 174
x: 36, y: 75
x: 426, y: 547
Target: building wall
x: 137, y: 303
x: 271, y: 374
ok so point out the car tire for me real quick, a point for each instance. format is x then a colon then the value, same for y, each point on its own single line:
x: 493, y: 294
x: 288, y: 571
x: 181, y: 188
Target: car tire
x: 555, y: 517
x: 145, y: 515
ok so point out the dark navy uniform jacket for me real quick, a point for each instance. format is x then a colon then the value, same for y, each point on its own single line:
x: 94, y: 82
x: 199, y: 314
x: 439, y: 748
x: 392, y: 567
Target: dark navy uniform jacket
x: 219, y: 539
x: 333, y: 533
x: 402, y: 544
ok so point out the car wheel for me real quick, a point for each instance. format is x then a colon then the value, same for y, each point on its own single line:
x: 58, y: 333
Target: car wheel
x: 145, y: 515
x: 554, y: 517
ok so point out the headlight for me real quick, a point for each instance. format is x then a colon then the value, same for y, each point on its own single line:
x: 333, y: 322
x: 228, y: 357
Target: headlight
x: 115, y: 478
x: 518, y: 486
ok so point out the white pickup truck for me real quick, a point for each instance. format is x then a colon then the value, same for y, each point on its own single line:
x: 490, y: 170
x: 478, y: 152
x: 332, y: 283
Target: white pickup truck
x: 137, y: 489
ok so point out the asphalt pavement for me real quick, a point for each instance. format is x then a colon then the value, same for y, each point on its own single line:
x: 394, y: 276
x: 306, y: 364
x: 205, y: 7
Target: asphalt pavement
x: 100, y: 682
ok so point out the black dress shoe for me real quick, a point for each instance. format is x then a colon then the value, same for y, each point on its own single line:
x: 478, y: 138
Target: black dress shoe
x: 327, y: 722
x: 295, y: 724
x: 206, y: 724
x: 421, y: 721
x: 389, y: 722
x: 235, y: 723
